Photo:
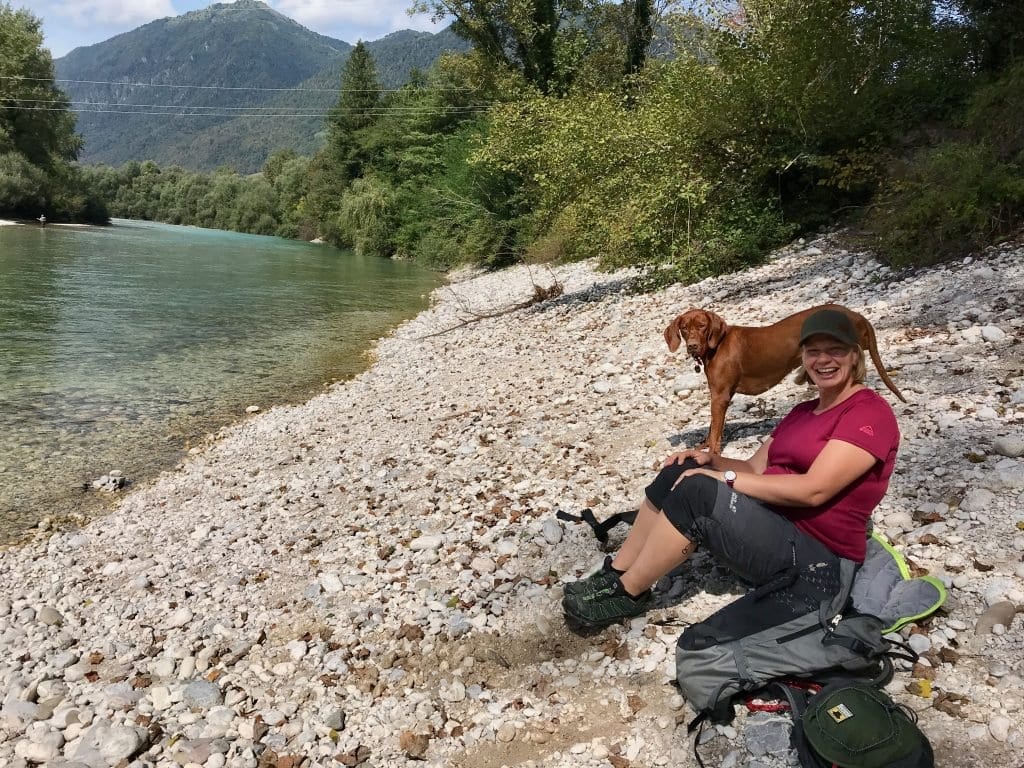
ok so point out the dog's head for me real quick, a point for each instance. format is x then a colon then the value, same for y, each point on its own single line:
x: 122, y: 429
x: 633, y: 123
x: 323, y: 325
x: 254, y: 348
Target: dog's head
x: 700, y: 330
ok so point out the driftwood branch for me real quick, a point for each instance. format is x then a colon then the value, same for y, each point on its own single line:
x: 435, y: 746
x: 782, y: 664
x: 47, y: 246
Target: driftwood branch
x: 540, y: 293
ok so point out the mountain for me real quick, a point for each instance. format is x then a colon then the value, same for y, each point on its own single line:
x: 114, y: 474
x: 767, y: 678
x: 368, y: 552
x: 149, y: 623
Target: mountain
x: 188, y: 77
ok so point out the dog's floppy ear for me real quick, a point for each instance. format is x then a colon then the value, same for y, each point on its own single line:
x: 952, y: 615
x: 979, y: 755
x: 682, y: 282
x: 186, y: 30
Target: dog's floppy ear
x: 716, y: 330
x: 672, y: 334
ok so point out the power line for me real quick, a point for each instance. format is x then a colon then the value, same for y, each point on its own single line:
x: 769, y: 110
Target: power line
x: 224, y: 87
x: 372, y: 112
x: 280, y: 110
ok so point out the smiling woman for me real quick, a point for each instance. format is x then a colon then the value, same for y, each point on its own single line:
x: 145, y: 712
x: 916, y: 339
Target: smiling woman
x: 818, y: 342
x: 782, y: 519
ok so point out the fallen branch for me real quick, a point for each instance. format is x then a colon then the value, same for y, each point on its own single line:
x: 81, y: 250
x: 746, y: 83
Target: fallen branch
x: 540, y: 293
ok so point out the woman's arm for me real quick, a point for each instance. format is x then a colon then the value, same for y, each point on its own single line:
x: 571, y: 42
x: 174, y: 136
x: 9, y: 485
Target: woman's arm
x: 755, y: 464
x: 838, y: 465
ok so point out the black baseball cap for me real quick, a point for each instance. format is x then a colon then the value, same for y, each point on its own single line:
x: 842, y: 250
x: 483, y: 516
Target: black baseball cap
x: 830, y: 322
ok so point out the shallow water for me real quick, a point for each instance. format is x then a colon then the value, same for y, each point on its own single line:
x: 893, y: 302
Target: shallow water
x: 119, y: 345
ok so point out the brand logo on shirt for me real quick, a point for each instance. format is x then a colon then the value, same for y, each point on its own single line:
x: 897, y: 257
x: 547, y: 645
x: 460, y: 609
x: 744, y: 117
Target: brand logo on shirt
x: 868, y: 430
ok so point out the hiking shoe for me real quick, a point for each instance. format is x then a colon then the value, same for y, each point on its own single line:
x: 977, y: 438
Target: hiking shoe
x: 604, y: 606
x: 599, y: 579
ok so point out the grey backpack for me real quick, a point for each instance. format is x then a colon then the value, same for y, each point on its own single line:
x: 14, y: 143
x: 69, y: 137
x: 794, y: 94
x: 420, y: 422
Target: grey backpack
x: 750, y: 643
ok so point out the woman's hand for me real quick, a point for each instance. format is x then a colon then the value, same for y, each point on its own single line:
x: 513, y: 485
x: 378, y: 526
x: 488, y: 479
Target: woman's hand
x: 712, y: 473
x: 703, y: 458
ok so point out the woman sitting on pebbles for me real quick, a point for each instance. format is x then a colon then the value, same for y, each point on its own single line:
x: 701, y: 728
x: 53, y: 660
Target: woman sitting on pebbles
x: 782, y: 518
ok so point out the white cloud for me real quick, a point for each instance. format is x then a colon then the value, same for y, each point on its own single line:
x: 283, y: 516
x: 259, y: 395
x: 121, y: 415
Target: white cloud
x: 107, y: 13
x: 366, y: 19
x: 71, y: 23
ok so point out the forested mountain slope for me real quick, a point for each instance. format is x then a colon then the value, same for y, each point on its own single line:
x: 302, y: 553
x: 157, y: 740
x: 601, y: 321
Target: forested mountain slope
x: 160, y: 67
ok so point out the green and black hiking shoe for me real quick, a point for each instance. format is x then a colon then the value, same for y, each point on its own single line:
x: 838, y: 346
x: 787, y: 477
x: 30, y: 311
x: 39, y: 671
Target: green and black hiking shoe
x: 599, y: 579
x: 607, y: 605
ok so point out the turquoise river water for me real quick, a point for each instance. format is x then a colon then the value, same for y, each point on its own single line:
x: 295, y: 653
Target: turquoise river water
x: 119, y: 345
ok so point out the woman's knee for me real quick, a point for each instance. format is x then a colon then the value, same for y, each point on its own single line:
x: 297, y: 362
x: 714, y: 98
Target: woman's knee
x: 690, y: 501
x: 666, y: 479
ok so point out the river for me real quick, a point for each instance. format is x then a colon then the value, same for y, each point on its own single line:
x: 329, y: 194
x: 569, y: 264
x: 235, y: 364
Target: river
x: 120, y: 346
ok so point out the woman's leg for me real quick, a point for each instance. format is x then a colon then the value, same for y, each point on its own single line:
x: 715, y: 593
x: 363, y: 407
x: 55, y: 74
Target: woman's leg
x: 663, y: 549
x: 646, y: 518
x: 653, y: 548
x: 649, y: 515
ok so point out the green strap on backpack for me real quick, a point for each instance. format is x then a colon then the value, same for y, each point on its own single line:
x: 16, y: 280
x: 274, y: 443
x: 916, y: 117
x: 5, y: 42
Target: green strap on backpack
x: 853, y: 725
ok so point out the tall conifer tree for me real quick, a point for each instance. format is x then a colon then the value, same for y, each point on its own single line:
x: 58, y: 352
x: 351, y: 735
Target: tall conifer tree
x: 359, y: 106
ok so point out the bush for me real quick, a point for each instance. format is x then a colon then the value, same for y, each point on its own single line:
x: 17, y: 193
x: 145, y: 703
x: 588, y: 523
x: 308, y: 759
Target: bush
x: 953, y: 199
x: 963, y: 194
x: 366, y: 218
x: 21, y: 186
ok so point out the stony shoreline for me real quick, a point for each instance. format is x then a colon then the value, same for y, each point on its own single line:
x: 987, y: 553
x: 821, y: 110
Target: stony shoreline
x: 373, y: 577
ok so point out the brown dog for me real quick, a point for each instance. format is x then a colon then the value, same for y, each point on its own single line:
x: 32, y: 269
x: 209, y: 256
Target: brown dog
x: 751, y: 360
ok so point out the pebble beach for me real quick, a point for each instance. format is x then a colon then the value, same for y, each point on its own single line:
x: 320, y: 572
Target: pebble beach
x: 374, y: 577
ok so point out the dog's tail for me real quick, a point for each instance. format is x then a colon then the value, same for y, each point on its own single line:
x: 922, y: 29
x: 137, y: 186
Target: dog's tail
x: 877, y: 360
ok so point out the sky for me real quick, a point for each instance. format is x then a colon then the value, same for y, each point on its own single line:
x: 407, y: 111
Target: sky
x: 68, y: 24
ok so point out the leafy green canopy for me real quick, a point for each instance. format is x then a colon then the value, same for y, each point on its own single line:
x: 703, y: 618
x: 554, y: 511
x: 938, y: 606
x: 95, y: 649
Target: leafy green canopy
x: 37, y: 129
x: 766, y: 120
x: 550, y: 44
x: 961, y: 194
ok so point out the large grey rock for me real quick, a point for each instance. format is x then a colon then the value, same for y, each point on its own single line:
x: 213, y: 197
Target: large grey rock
x: 769, y: 736
x: 202, y: 694
x: 978, y: 500
x: 121, y: 695
x: 1009, y: 445
x: 104, y: 745
x: 50, y: 616
x: 552, y: 531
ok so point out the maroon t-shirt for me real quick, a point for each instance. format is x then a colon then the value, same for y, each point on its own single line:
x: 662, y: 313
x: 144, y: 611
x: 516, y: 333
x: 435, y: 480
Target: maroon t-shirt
x: 864, y: 419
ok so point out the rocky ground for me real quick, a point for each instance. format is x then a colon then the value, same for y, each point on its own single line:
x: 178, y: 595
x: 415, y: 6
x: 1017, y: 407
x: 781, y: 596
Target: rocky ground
x: 374, y: 577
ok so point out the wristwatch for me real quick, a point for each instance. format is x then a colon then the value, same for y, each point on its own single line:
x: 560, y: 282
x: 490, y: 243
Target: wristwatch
x: 730, y: 477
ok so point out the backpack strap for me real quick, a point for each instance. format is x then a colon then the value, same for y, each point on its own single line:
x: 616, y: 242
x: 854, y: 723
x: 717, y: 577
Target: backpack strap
x: 600, y: 528
x: 797, y: 698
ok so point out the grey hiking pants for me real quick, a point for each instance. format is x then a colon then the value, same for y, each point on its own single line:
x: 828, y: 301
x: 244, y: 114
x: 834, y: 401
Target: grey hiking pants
x: 757, y: 544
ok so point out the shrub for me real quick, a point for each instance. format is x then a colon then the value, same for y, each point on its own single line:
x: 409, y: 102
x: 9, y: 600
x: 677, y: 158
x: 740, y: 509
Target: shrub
x: 366, y: 218
x: 964, y: 193
x: 21, y: 186
x: 953, y: 199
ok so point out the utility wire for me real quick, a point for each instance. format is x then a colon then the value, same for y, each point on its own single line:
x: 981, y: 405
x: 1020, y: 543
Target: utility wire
x: 372, y: 112
x: 225, y: 87
x: 280, y: 110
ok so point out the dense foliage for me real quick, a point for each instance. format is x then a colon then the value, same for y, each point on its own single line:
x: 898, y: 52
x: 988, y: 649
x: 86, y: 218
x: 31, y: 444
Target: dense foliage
x: 557, y: 140
x: 37, y: 138
x: 959, y: 195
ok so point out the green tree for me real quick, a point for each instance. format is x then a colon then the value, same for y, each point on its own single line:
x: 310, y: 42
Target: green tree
x: 276, y: 162
x: 639, y: 34
x: 359, y: 106
x: 343, y: 158
x: 37, y: 129
x: 519, y: 36
x: 35, y: 119
x: 997, y: 28
x: 551, y: 44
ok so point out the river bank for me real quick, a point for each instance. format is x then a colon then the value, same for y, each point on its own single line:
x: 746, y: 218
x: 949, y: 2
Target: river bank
x: 123, y: 346
x: 373, y: 577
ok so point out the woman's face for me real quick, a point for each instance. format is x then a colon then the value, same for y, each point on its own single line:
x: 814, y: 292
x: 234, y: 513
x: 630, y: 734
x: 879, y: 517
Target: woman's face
x: 829, y: 363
